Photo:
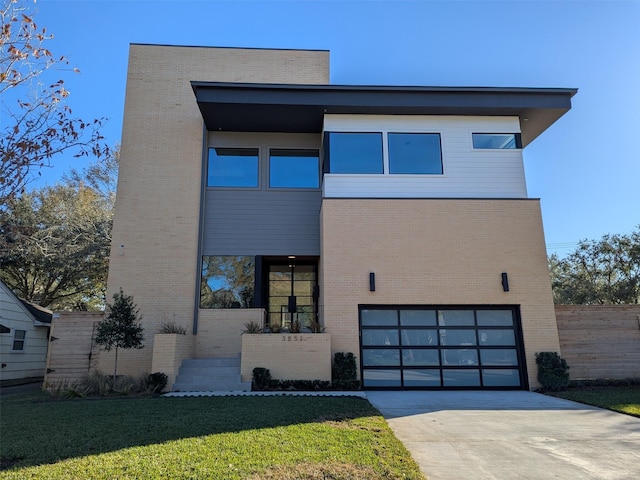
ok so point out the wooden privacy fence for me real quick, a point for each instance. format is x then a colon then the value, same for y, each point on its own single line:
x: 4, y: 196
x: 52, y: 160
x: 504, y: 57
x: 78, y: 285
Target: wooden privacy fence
x: 600, y: 341
x: 72, y: 353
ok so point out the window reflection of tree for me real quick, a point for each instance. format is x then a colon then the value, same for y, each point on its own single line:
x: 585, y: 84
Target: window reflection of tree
x: 227, y: 282
x: 380, y: 337
x: 419, y: 337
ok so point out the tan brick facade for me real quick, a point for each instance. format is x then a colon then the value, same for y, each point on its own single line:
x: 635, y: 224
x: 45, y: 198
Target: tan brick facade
x: 435, y: 252
x: 169, y: 349
x: 423, y: 251
x: 288, y: 356
x: 220, y: 331
x: 158, y: 203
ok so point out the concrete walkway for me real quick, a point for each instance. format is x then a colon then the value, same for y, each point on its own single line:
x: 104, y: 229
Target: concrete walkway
x: 511, y: 435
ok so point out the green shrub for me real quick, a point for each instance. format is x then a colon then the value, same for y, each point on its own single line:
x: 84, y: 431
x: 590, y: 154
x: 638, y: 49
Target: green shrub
x: 344, y: 373
x: 301, y: 385
x: 156, y: 382
x: 316, y: 327
x: 126, y: 385
x: 344, y: 378
x: 252, y: 327
x: 171, y: 327
x: 261, y: 379
x: 98, y: 384
x: 275, y: 328
x: 553, y: 373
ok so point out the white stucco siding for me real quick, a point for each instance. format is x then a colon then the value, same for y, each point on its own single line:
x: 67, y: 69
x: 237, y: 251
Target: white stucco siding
x: 29, y: 362
x: 467, y: 172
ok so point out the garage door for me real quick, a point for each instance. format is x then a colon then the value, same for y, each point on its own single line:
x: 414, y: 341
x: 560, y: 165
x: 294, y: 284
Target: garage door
x: 441, y: 347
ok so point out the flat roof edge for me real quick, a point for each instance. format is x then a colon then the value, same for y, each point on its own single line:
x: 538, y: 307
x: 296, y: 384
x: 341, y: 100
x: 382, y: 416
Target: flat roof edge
x: 230, y: 48
x: 385, y: 88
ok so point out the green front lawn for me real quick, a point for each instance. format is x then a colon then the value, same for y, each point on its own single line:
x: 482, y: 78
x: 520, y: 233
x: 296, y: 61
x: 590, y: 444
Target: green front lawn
x: 199, y: 438
x: 623, y: 399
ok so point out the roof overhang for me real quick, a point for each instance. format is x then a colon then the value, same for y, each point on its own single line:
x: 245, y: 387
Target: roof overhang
x: 42, y: 316
x: 253, y: 107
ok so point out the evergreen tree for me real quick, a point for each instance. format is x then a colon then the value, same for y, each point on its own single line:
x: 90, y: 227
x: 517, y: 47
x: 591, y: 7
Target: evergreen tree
x: 120, y: 328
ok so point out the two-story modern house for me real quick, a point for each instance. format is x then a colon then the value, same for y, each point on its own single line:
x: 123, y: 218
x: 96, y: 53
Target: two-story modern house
x: 395, y: 219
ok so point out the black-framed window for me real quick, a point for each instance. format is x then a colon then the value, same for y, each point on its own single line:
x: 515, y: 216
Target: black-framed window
x: 227, y: 281
x: 233, y: 167
x: 496, y: 141
x: 414, y: 153
x: 354, y: 152
x: 294, y: 168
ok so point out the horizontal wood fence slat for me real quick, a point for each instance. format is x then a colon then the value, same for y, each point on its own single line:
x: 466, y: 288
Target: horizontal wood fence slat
x: 72, y: 353
x: 600, y: 341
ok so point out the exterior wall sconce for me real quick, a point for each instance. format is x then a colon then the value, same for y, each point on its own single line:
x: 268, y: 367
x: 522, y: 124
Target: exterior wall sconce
x: 505, y: 282
x: 121, y: 253
x: 372, y: 282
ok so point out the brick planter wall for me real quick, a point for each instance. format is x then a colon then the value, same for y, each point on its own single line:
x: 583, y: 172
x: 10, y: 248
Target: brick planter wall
x: 302, y: 356
x: 169, y: 349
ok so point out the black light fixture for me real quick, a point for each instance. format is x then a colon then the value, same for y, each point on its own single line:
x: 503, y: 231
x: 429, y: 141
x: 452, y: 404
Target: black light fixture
x: 372, y: 282
x: 291, y: 307
x: 505, y: 282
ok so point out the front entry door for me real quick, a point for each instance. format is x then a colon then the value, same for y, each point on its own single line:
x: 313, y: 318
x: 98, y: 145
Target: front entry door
x: 291, y: 293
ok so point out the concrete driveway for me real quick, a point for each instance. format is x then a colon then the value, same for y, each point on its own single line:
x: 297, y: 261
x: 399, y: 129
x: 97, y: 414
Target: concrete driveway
x: 511, y: 435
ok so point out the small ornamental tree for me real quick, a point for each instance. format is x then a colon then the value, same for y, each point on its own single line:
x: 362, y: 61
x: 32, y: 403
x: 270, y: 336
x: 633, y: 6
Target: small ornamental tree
x: 120, y: 328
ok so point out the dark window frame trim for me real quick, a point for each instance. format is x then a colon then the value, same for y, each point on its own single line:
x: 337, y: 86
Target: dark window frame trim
x: 518, y: 336
x: 269, y: 148
x: 256, y: 270
x: 517, y: 135
x: 222, y: 187
x: 263, y: 283
x: 326, y: 147
x: 441, y: 174
x: 325, y: 157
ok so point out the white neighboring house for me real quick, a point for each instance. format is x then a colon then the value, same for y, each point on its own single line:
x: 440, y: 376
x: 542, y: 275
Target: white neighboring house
x: 24, y: 337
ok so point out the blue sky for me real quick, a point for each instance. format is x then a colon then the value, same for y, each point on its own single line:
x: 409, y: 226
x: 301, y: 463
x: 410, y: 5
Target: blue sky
x: 585, y: 168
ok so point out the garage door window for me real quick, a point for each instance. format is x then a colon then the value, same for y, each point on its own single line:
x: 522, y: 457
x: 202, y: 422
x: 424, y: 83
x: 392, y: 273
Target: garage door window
x: 441, y: 347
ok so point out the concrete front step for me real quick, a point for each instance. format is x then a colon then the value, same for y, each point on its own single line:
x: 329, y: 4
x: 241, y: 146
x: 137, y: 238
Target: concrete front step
x: 211, y: 362
x: 210, y: 375
x: 209, y: 370
x: 204, y: 378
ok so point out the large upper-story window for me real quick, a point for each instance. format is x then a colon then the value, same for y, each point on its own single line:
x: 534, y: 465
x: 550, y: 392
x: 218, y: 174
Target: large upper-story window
x: 496, y: 141
x: 294, y: 168
x: 355, y: 152
x: 233, y: 167
x: 414, y: 153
